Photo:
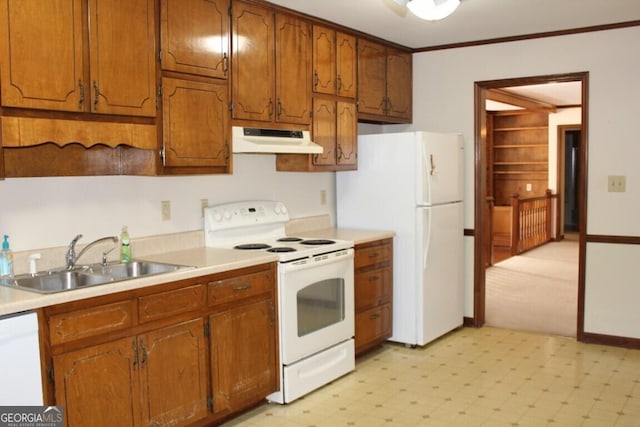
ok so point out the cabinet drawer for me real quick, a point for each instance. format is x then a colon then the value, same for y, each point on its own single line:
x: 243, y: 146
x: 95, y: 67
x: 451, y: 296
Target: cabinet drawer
x: 166, y: 304
x: 372, y: 255
x: 373, y: 287
x: 373, y: 326
x: 236, y: 288
x: 89, y: 322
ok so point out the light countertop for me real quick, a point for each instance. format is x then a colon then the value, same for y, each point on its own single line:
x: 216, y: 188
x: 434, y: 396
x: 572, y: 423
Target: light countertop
x: 204, y: 261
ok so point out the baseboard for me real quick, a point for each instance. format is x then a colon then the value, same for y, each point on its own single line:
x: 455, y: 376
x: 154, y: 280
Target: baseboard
x: 612, y: 340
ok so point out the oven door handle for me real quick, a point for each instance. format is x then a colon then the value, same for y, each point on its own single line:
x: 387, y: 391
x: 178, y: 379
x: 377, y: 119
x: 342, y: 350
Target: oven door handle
x: 318, y: 260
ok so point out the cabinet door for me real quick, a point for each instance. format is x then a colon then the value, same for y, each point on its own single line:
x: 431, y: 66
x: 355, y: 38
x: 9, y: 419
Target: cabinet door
x: 173, y: 374
x: 99, y: 384
x: 372, y: 327
x: 371, y: 77
x: 195, y: 36
x: 347, y: 133
x: 41, y: 54
x: 399, y: 84
x: 243, y: 355
x: 195, y: 123
x: 346, y: 70
x: 324, y: 60
x: 324, y: 130
x: 123, y: 75
x: 253, y: 62
x: 293, y: 70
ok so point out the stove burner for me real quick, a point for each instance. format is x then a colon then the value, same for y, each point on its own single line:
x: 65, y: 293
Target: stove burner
x: 281, y: 249
x: 317, y: 242
x: 289, y: 239
x: 248, y: 246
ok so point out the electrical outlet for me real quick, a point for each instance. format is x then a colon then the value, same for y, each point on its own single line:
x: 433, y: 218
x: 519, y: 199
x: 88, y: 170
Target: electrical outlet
x: 165, y: 210
x: 323, y: 197
x: 203, y: 204
x: 617, y: 183
x: 529, y: 187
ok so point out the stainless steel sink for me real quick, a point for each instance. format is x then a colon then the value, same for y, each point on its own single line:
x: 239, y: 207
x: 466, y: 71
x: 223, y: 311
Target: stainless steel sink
x: 92, y: 275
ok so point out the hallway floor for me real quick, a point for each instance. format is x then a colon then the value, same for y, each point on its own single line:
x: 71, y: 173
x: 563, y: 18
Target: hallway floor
x: 474, y: 377
x: 536, y: 291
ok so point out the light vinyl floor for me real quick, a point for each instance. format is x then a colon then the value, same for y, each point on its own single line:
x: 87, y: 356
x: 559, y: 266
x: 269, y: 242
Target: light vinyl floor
x: 474, y: 377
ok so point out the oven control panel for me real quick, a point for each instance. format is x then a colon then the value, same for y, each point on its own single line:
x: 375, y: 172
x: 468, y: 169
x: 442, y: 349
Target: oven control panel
x: 243, y: 214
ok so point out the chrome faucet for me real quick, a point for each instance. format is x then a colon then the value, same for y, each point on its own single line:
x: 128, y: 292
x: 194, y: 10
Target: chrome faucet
x: 71, y: 256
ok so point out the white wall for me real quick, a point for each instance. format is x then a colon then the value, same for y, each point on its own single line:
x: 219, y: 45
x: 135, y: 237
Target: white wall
x: 444, y: 101
x: 49, y: 212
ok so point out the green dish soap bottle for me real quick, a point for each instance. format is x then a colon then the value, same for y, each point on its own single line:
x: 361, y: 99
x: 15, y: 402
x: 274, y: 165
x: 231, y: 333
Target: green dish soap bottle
x: 6, y: 260
x: 125, y: 246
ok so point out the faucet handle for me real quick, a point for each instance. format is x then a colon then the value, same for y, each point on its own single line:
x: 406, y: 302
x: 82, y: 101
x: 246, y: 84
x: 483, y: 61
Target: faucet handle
x: 33, y: 266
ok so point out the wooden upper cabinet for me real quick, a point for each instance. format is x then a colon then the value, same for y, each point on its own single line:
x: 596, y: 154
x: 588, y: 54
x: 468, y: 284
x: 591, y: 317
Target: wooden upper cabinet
x: 334, y: 62
x: 123, y: 74
x: 384, y: 83
x: 271, y: 66
x: 399, y: 84
x: 195, y: 123
x: 44, y: 55
x: 253, y: 62
x: 293, y: 70
x: 346, y: 65
x: 347, y: 134
x: 195, y: 37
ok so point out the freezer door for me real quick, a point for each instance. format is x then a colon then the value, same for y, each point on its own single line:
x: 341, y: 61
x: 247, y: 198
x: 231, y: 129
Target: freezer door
x: 441, y: 260
x: 441, y: 168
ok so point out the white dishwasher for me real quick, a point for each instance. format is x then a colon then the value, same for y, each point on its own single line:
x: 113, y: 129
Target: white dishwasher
x: 20, y: 379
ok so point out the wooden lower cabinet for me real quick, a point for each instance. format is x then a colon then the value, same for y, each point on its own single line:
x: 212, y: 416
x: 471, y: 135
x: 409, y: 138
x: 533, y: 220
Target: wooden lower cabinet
x: 243, y: 358
x: 200, y: 363
x: 155, y: 379
x: 173, y: 374
x: 373, y: 294
x: 97, y: 385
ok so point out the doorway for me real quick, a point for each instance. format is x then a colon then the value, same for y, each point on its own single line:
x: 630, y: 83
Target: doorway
x: 482, y: 213
x: 569, y: 138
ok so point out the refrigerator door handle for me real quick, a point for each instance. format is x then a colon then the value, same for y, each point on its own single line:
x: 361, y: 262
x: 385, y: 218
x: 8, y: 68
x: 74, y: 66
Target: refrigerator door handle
x: 433, y: 170
x: 427, y: 241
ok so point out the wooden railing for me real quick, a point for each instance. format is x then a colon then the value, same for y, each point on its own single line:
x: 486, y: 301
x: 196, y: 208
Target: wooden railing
x: 531, y: 222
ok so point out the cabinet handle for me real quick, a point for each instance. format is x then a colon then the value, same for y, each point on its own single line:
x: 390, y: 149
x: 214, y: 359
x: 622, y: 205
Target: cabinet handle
x: 374, y: 278
x: 270, y: 107
x: 81, y: 97
x: 96, y: 92
x: 144, y: 355
x: 374, y: 255
x: 374, y: 316
x: 134, y: 347
x: 339, y: 152
x: 315, y: 79
x: 339, y: 84
x: 279, y: 111
x: 225, y: 63
x: 227, y: 153
x: 242, y: 288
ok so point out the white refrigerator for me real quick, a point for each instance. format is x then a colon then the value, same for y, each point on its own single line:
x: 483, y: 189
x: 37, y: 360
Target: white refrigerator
x: 412, y: 183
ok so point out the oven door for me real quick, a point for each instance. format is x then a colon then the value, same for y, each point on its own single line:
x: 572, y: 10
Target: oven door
x: 316, y: 304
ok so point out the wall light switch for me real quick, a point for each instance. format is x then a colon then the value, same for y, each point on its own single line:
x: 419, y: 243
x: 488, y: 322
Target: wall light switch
x: 617, y: 183
x: 529, y: 187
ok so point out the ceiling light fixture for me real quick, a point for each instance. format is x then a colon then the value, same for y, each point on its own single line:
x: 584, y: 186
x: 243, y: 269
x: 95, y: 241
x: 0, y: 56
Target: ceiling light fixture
x: 432, y: 10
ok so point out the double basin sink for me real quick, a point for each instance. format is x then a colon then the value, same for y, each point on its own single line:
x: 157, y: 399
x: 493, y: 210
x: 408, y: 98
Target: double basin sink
x: 92, y: 275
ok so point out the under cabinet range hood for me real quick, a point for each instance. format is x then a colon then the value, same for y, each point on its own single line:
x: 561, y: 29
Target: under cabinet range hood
x: 261, y: 140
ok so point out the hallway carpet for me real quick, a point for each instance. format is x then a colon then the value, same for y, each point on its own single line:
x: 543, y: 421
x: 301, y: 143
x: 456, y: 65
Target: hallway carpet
x: 536, y: 291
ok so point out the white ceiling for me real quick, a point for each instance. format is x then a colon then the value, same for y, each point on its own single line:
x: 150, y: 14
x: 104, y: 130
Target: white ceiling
x: 473, y: 20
